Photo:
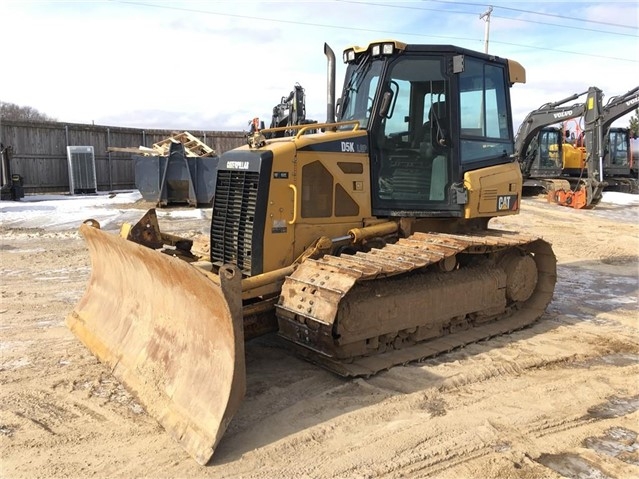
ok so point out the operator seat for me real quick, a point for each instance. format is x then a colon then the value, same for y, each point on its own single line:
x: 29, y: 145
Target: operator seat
x: 434, y: 153
x: 420, y: 173
x: 427, y: 136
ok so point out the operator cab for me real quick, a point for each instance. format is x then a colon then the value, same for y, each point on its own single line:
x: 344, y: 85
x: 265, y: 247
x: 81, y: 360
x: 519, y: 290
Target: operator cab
x: 618, y: 145
x: 432, y: 113
x: 548, y: 150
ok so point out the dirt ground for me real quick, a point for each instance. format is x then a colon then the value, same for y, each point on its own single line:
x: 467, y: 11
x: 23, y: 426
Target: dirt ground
x: 559, y: 399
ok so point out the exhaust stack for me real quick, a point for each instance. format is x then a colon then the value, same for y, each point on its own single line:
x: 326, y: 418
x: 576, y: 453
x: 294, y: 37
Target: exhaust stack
x: 330, y: 87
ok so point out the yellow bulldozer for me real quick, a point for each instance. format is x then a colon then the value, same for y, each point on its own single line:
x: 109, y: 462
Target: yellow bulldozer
x: 363, y: 241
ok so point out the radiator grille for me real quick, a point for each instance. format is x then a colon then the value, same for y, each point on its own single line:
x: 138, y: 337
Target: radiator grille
x: 234, y: 206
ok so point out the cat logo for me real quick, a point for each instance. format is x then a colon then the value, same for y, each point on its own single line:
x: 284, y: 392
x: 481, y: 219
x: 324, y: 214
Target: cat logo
x: 507, y: 203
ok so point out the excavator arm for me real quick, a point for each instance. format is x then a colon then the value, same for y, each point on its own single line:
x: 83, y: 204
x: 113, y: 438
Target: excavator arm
x: 618, y: 106
x: 545, y: 115
x: 597, y: 122
x: 291, y: 111
x: 619, y: 176
x: 586, y: 191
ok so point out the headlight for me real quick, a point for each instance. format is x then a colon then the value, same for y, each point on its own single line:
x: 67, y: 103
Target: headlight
x: 349, y: 56
x: 382, y: 49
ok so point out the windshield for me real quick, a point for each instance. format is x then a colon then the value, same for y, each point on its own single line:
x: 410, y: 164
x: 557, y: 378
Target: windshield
x: 359, y: 90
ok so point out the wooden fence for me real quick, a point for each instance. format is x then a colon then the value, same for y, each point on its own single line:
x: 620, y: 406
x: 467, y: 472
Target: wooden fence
x: 39, y: 151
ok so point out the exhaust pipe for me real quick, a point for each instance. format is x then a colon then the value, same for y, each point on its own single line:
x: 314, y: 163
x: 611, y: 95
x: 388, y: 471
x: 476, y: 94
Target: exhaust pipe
x: 330, y: 87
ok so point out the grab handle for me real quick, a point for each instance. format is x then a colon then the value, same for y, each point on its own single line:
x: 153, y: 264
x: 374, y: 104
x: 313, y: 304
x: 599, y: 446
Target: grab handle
x: 294, y: 188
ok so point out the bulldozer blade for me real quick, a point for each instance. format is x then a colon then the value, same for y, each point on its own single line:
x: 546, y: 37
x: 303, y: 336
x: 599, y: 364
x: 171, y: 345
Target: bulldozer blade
x: 172, y: 336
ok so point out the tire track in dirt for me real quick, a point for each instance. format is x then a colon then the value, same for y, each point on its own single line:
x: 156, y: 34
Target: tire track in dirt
x: 391, y: 406
x: 488, y: 410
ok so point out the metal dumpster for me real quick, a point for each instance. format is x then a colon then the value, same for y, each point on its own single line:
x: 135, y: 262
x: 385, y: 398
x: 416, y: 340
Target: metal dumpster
x: 176, y: 178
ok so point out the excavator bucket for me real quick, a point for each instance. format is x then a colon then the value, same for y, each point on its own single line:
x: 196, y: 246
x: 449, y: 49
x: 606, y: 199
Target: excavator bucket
x: 171, y: 335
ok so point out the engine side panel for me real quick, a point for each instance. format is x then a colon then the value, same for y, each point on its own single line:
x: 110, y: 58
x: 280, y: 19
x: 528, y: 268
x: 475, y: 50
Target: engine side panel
x: 493, y: 191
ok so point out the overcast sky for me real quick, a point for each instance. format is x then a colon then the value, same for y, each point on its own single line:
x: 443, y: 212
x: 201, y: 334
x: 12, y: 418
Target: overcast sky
x: 214, y: 65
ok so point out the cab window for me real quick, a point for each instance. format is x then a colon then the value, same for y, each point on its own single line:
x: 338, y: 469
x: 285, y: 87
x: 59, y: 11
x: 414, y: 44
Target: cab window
x: 485, y: 132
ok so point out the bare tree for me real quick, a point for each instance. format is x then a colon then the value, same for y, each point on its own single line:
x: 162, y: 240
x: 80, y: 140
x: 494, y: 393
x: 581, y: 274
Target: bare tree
x: 11, y: 111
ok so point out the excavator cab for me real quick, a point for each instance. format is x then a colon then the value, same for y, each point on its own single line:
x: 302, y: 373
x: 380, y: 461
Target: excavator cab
x: 619, y: 170
x: 617, y: 147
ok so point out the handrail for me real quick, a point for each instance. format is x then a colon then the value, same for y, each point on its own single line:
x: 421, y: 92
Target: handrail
x: 311, y: 126
x: 294, y: 188
x: 355, y: 124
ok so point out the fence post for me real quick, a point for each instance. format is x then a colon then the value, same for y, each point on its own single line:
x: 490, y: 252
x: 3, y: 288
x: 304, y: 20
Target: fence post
x: 66, y: 150
x: 109, y: 159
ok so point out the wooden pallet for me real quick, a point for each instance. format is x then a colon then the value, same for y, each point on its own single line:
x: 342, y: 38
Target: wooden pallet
x: 192, y: 147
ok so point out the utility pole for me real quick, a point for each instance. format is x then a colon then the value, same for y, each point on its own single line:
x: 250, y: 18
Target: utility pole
x: 486, y: 17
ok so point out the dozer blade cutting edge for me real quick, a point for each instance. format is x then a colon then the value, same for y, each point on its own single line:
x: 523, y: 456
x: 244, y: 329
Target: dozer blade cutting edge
x: 172, y: 336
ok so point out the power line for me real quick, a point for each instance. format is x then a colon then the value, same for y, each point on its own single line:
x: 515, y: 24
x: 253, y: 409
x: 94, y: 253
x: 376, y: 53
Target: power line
x: 279, y: 20
x: 540, y: 13
x: 565, y: 51
x: 572, y: 27
x: 350, y: 28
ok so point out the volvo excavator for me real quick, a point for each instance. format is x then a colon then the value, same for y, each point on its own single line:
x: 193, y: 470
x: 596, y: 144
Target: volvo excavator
x: 542, y: 168
x: 572, y: 175
x: 365, y: 245
x: 617, y: 170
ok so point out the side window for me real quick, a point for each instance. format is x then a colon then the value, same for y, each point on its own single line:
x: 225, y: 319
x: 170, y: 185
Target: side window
x: 485, y: 131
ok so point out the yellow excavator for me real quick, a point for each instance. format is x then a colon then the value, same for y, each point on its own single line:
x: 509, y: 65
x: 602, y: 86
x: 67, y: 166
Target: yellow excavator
x: 363, y: 241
